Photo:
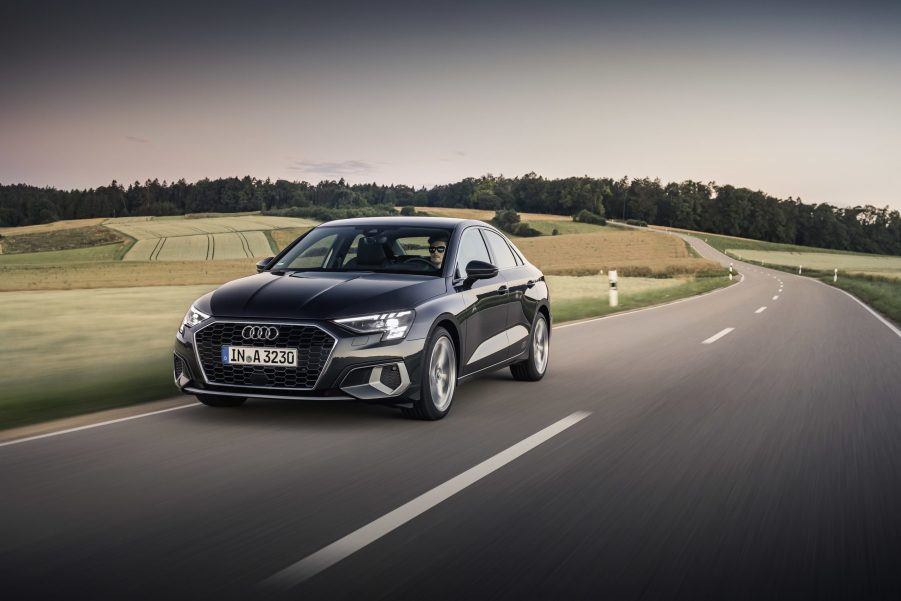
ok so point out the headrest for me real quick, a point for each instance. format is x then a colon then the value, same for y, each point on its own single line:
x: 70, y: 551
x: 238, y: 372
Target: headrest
x: 370, y: 252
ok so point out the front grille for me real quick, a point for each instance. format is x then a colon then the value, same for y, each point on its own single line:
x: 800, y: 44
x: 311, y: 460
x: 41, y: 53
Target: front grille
x: 313, y: 349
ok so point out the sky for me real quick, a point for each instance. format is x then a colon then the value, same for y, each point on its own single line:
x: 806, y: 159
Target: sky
x: 800, y: 100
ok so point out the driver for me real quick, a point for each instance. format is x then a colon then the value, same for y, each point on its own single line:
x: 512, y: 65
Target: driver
x: 437, y: 248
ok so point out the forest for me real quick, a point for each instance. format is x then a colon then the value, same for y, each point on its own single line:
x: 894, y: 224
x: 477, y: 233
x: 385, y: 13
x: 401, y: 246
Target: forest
x: 709, y: 207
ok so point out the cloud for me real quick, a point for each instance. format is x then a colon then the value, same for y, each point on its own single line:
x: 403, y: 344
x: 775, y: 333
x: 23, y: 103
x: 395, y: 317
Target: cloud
x: 455, y: 156
x: 137, y: 140
x: 351, y: 167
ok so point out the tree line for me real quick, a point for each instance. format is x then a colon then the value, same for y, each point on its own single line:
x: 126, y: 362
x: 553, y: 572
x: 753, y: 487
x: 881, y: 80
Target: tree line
x: 720, y: 209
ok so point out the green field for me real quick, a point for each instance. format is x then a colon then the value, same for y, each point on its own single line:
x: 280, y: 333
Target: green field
x: 845, y: 263
x: 107, y: 252
x: 67, y: 352
x: 565, y: 227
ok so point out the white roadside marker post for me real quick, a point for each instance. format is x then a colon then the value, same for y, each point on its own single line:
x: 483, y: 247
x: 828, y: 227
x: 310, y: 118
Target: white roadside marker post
x: 730, y: 272
x: 835, y: 275
x: 799, y: 269
x: 614, y: 293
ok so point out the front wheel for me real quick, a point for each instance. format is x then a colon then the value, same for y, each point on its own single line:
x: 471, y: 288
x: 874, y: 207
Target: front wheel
x: 220, y: 400
x: 439, y: 378
x: 535, y: 366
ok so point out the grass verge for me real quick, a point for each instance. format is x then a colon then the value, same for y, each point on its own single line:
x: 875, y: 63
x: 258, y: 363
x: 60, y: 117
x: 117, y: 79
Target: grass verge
x: 568, y: 310
x: 881, y: 293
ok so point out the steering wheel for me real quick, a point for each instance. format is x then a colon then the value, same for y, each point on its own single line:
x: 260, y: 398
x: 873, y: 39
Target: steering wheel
x: 425, y: 262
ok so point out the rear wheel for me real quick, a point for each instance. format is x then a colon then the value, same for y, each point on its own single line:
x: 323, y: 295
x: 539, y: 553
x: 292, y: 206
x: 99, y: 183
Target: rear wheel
x: 220, y: 400
x: 535, y: 366
x: 439, y: 378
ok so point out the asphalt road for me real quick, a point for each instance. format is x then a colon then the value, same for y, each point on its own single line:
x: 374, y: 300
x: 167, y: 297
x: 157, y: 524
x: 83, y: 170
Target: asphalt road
x: 763, y: 464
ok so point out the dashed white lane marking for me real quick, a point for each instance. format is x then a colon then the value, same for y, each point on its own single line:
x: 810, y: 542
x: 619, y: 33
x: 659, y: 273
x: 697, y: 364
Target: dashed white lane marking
x: 97, y: 425
x: 776, y: 297
x: 760, y: 310
x: 717, y: 336
x: 353, y: 542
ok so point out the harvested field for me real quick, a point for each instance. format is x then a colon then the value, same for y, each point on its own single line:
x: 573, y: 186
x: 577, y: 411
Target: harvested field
x: 631, y: 252
x: 236, y: 245
x: 119, y: 274
x: 206, y: 238
x: 169, y: 228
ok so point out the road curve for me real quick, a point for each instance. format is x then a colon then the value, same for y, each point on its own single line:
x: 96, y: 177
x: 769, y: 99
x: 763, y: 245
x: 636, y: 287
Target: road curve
x: 763, y: 463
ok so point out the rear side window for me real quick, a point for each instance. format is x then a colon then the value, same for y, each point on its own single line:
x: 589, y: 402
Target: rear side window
x: 502, y: 253
x: 472, y: 248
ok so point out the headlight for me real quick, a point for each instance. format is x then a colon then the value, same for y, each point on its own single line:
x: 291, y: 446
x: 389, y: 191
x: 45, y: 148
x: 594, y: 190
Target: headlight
x: 394, y: 325
x: 192, y: 318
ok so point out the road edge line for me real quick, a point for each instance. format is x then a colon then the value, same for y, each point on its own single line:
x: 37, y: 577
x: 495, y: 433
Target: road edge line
x: 97, y: 425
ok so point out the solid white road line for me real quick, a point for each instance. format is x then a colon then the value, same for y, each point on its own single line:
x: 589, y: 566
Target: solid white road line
x: 717, y: 336
x: 89, y: 426
x: 887, y: 323
x: 353, y: 542
x: 760, y: 310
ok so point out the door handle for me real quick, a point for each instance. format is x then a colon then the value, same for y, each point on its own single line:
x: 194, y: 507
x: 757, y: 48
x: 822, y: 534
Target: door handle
x: 503, y: 290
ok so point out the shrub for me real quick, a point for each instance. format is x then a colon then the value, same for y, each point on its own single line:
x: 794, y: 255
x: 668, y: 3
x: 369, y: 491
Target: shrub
x: 523, y: 229
x: 586, y: 216
x: 555, y: 232
x: 330, y: 214
x: 637, y: 222
x: 508, y: 221
x: 408, y: 211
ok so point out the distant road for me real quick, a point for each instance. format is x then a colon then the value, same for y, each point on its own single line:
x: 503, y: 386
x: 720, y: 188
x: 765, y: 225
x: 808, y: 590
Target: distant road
x: 744, y: 444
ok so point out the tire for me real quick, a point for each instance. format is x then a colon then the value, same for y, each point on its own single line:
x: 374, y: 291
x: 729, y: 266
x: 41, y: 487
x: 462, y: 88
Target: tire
x: 535, y: 366
x: 218, y: 400
x: 439, y: 378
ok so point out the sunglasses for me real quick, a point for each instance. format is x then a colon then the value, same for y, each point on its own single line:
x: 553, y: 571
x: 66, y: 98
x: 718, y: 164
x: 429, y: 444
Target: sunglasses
x: 437, y: 249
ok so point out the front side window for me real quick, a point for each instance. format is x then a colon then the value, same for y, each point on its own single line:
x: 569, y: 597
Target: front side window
x: 472, y: 248
x: 391, y: 249
x: 502, y: 253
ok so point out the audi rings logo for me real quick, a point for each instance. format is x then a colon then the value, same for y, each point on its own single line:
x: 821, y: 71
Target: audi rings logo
x: 259, y: 333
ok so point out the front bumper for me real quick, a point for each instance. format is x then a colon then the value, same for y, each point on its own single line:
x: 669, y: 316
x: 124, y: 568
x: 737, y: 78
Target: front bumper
x: 358, y: 367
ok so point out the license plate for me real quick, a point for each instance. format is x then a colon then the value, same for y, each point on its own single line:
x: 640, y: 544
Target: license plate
x: 249, y: 355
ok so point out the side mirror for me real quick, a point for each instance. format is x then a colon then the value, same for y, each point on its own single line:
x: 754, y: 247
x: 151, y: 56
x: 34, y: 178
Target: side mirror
x: 480, y: 270
x: 263, y: 264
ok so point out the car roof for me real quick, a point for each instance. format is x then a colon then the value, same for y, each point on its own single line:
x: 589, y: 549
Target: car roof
x: 443, y: 222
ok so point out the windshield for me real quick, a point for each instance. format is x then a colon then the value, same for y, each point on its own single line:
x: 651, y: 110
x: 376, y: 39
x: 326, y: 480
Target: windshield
x: 390, y: 249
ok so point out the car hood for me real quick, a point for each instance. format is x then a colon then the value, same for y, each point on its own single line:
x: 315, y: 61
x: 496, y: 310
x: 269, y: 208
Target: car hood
x: 306, y: 295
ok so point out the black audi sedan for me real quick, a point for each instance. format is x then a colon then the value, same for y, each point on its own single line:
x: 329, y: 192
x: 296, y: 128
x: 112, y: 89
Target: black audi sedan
x: 397, y: 310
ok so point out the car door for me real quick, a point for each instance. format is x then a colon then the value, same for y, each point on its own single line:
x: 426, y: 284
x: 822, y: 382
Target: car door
x: 516, y: 278
x: 484, y: 318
